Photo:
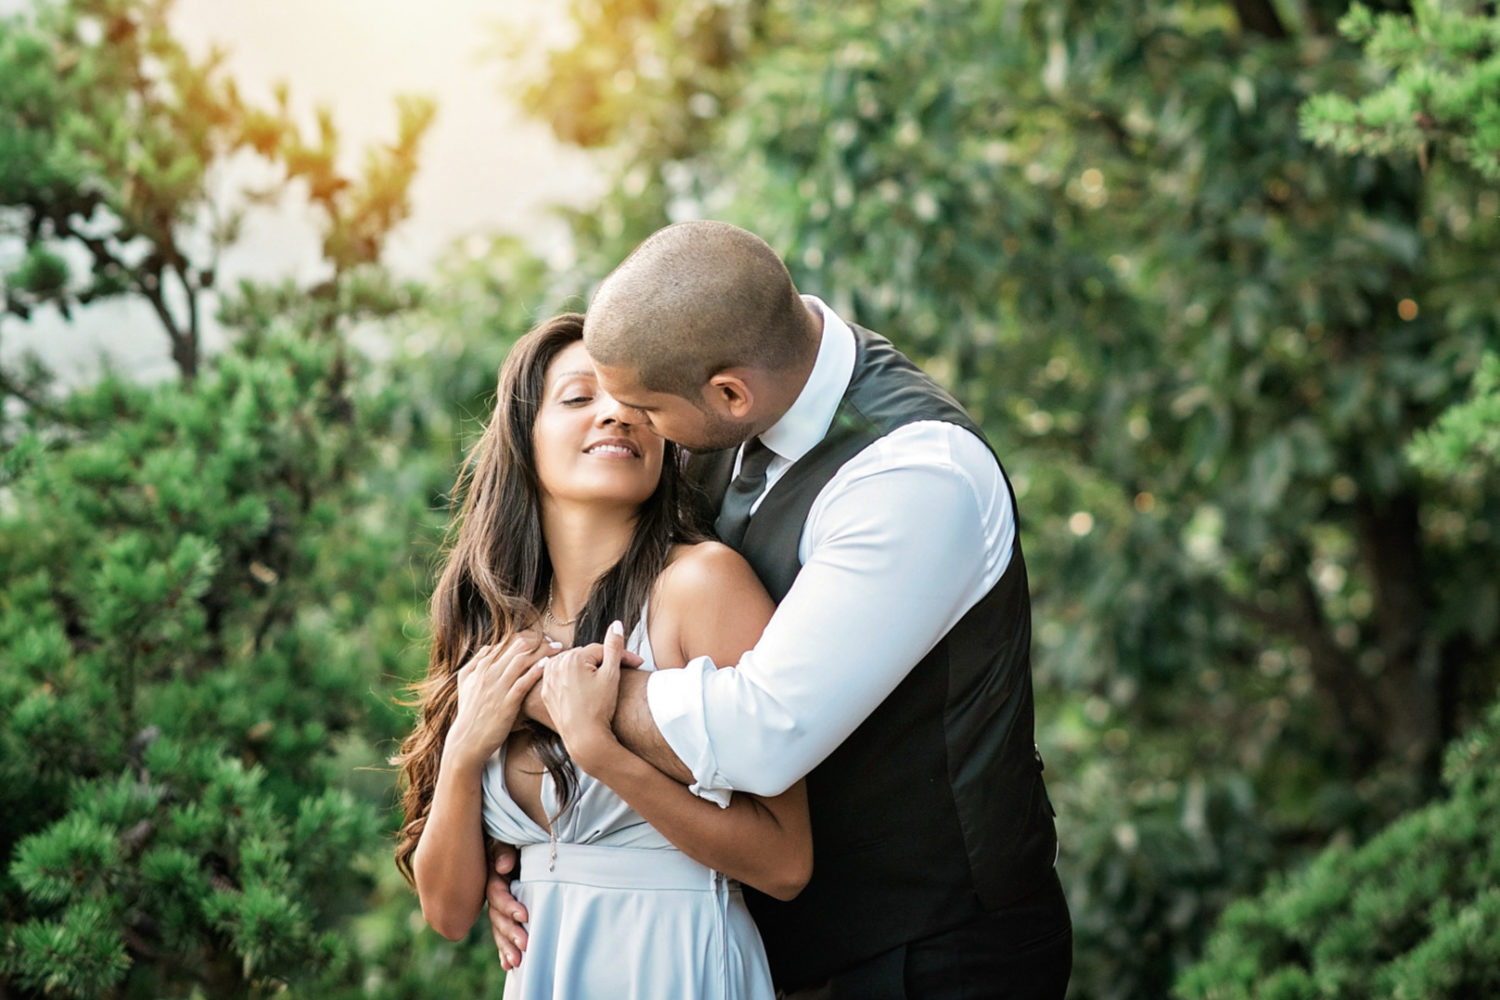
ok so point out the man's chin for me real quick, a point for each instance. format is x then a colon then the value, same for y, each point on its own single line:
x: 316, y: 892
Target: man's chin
x: 717, y: 439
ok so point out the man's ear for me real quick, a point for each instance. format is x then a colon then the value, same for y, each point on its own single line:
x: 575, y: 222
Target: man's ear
x: 729, y: 393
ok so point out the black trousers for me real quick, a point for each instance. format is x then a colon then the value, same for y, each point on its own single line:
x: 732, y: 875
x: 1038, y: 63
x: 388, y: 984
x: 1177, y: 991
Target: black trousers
x: 1022, y: 952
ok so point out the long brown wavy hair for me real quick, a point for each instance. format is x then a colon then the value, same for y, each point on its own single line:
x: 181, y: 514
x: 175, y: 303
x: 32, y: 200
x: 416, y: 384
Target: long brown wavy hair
x: 497, y: 573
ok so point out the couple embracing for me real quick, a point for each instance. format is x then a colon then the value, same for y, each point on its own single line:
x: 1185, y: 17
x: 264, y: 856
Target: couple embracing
x: 801, y: 754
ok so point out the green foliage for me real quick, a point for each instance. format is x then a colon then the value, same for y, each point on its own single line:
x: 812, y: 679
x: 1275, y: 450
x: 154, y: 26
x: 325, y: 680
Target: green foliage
x: 1439, y: 87
x: 1465, y: 442
x: 205, y: 596
x: 1413, y: 913
x: 86, y: 955
x: 208, y: 590
x: 110, y: 136
x: 41, y: 272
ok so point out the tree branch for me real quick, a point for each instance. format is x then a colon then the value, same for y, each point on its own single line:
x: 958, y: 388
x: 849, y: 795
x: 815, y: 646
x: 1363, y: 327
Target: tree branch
x: 103, y: 255
x: 1335, y: 674
x: 184, y: 350
x: 1260, y: 17
x: 1410, y: 684
x: 10, y: 387
x: 181, y: 270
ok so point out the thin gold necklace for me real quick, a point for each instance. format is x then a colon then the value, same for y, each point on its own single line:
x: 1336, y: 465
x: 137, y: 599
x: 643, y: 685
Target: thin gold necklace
x: 547, y: 613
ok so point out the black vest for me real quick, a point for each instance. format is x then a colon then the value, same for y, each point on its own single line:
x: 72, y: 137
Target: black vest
x: 933, y: 810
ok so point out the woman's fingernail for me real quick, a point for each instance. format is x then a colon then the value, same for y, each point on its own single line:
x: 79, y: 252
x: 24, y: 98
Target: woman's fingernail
x: 554, y: 644
x: 615, y: 628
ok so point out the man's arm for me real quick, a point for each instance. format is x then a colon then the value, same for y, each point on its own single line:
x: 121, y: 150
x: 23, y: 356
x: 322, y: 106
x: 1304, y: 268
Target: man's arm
x: 632, y: 723
x: 637, y: 730
x: 913, y: 532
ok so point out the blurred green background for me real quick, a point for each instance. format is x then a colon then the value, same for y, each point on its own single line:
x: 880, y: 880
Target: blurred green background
x: 1219, y: 279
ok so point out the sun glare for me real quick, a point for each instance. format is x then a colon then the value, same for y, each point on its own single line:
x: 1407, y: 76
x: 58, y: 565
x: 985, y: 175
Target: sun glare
x: 484, y: 167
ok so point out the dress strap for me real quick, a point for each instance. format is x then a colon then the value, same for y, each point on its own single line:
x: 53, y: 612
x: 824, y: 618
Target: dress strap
x: 639, y: 640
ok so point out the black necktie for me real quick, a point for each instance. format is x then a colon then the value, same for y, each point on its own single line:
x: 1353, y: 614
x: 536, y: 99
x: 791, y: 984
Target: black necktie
x: 734, y: 514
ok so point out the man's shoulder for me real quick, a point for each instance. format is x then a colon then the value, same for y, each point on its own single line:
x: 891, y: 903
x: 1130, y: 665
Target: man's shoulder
x: 889, y: 390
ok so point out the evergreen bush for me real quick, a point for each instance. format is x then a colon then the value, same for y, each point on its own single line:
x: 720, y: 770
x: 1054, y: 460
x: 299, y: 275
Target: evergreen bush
x: 203, y: 605
x: 1413, y: 914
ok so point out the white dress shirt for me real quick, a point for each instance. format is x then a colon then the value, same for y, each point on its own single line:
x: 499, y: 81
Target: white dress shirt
x: 907, y: 536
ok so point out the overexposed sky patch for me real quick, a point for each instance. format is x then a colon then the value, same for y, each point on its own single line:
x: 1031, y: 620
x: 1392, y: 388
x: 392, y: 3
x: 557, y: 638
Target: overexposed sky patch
x: 484, y: 167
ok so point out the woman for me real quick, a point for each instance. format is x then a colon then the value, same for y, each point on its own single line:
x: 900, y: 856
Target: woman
x: 572, y: 529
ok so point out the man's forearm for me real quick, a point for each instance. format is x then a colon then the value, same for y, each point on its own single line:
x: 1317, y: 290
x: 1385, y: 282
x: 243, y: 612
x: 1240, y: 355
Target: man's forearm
x: 637, y: 730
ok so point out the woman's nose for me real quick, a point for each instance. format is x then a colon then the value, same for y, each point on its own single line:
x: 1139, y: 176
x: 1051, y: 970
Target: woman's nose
x: 612, y: 411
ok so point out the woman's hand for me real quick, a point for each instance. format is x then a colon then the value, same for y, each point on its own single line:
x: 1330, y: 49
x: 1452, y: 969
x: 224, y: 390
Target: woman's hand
x: 580, y: 699
x: 491, y: 687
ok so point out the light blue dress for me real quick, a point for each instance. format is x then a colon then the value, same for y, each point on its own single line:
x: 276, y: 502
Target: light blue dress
x: 616, y: 912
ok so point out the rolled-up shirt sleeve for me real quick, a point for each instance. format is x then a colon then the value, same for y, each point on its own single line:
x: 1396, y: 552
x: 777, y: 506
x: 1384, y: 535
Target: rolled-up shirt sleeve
x: 915, y: 530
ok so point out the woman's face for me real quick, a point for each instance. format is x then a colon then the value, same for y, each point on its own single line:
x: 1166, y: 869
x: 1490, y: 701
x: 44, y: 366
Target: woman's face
x: 588, y: 449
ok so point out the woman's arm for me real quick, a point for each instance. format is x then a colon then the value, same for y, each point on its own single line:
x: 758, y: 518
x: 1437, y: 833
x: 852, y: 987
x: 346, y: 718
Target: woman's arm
x: 764, y: 843
x: 449, y: 864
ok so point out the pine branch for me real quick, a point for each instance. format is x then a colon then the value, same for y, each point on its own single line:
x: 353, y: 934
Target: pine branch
x: 184, y: 350
x: 103, y: 255
x: 181, y: 270
x: 16, y: 307
x: 9, y: 386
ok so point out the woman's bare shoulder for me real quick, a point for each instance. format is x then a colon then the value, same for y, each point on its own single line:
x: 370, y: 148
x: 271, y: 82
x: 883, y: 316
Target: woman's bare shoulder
x: 699, y: 563
x: 711, y: 602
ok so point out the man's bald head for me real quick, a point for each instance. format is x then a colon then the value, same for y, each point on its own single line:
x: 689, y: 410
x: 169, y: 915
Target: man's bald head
x: 694, y: 299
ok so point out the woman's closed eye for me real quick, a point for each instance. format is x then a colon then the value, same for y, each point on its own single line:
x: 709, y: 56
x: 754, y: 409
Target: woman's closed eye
x: 574, y: 388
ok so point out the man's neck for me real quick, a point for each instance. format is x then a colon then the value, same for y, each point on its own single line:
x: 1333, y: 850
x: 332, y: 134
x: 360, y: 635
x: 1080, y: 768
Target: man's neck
x: 783, y: 387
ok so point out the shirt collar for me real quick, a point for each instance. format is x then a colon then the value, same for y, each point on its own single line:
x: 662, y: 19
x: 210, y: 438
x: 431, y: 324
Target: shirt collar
x: 807, y: 420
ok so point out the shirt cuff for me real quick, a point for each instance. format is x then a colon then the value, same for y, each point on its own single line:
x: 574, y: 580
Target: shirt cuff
x: 675, y: 698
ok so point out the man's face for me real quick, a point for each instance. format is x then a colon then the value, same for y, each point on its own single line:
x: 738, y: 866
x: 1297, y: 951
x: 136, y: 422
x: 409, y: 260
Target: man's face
x: 695, y: 427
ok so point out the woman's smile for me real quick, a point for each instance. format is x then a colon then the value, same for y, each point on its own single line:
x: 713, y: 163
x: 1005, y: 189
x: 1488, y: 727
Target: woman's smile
x: 613, y: 448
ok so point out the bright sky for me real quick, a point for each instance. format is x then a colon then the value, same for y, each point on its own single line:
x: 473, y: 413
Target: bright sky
x: 484, y: 168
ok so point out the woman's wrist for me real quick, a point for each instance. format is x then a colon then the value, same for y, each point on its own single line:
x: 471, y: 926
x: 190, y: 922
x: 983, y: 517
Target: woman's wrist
x: 459, y: 752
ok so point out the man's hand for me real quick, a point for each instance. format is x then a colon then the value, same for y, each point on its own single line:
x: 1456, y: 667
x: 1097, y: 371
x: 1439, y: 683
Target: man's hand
x: 535, y: 709
x: 506, y: 915
x: 581, y: 698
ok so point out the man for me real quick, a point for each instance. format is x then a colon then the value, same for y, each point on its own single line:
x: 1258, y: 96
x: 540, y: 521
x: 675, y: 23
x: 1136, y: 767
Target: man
x: 895, y: 674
